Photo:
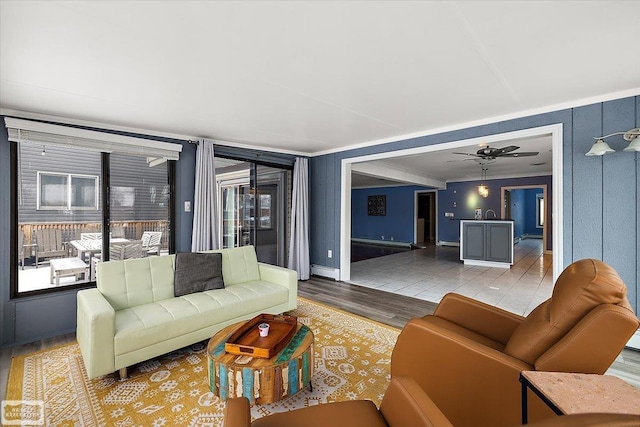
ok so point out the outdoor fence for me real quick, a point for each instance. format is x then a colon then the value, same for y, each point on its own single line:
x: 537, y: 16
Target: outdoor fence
x: 131, y: 230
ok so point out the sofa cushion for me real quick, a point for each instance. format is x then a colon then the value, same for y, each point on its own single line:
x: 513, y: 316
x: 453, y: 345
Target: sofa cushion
x: 147, y: 324
x: 137, y: 281
x: 581, y: 287
x: 197, y: 272
x: 239, y: 265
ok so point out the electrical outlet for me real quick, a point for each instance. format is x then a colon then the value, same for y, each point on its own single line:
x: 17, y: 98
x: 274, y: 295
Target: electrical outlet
x: 329, y: 253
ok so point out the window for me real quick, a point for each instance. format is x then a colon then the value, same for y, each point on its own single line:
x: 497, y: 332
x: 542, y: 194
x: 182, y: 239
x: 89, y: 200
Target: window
x: 539, y: 211
x: 59, y: 188
x: 265, y: 211
x: 58, y: 191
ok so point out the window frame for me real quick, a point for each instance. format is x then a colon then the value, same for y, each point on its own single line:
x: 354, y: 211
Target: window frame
x: 68, y: 191
x: 102, y: 199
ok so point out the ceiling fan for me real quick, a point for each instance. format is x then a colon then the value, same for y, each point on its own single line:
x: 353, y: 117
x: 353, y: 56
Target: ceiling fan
x: 488, y: 153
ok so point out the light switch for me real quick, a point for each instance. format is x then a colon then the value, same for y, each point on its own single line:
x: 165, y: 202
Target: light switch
x: 187, y: 206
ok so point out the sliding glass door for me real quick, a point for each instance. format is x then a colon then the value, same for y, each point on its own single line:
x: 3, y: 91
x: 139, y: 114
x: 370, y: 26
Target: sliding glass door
x: 254, y: 209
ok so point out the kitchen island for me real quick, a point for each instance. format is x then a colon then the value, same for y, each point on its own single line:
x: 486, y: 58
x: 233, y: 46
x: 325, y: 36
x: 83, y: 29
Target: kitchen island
x: 487, y: 243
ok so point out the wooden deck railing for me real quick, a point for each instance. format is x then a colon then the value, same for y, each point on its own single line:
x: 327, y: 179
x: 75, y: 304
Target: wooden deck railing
x: 131, y: 230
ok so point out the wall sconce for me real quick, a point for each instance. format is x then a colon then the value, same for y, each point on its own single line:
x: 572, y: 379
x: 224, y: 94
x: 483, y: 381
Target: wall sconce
x: 601, y: 148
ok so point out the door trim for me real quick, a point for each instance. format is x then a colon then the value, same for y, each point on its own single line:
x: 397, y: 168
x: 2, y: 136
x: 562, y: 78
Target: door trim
x: 554, y: 130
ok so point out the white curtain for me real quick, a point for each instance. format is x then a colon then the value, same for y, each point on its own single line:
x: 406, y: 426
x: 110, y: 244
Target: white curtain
x: 299, y: 243
x: 205, y: 218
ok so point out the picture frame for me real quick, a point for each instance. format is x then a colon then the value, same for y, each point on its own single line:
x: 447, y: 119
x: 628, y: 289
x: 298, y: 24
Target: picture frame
x: 377, y: 205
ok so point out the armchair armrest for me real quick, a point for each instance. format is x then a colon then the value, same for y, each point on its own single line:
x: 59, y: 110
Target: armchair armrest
x: 476, y: 316
x: 237, y: 413
x: 95, y: 333
x: 281, y: 276
x: 406, y: 404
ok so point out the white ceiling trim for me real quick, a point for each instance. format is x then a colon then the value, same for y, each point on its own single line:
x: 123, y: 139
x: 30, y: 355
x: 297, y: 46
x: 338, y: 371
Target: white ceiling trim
x: 556, y: 107
x: 543, y: 110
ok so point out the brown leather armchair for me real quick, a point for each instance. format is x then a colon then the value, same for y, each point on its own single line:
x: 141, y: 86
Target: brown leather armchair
x: 404, y: 404
x: 468, y: 355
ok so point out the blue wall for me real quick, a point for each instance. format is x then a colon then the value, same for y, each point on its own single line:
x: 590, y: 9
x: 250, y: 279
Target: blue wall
x: 31, y: 318
x: 462, y: 199
x: 600, y: 194
x: 396, y: 225
x: 530, y: 207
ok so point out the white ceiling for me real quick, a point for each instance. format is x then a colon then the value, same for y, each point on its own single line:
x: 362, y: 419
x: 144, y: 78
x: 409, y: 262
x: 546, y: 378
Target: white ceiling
x: 313, y: 77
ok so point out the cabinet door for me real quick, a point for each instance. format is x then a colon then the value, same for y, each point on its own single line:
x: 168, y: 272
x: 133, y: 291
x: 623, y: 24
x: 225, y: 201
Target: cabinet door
x: 474, y: 241
x: 498, y: 242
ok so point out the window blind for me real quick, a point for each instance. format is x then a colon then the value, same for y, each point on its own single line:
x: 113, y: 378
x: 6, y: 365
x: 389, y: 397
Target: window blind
x: 21, y: 130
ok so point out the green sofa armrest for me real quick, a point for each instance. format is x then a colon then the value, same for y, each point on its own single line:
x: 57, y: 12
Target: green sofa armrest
x: 281, y: 276
x: 95, y: 332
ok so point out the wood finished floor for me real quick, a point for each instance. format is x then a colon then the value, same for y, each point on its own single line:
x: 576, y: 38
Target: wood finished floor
x: 381, y: 306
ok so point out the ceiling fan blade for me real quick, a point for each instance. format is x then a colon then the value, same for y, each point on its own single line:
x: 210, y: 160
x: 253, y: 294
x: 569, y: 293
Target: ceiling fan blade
x: 508, y: 149
x: 522, y: 154
x: 467, y: 154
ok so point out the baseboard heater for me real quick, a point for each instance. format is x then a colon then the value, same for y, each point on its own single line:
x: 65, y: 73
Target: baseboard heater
x: 445, y: 243
x: 382, y: 242
x: 324, y: 271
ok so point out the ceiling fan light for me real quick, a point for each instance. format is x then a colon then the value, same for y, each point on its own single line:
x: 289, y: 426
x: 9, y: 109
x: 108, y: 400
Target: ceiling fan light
x: 600, y: 148
x: 634, y: 145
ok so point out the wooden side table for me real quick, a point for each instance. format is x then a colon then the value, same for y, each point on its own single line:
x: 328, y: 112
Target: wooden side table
x: 261, y: 380
x: 568, y: 393
x: 63, y: 267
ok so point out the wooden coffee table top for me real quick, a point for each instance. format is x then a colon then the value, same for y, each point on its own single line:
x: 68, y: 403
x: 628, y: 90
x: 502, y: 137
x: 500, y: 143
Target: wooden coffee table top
x: 301, y: 340
x: 67, y: 263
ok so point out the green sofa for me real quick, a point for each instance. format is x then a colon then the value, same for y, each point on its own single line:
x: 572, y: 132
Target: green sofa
x: 133, y: 316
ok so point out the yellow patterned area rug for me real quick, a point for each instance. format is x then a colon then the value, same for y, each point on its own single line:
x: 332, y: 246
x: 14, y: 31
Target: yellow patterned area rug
x: 352, y: 361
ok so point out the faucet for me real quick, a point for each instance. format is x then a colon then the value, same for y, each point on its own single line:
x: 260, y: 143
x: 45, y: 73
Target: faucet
x: 486, y: 214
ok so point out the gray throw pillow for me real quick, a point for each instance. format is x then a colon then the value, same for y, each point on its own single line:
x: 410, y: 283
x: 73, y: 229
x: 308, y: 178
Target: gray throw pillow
x: 196, y: 272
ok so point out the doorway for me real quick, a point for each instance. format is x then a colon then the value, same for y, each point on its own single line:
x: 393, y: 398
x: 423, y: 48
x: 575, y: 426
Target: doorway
x: 425, y: 218
x: 253, y: 201
x: 553, y: 131
x: 527, y: 206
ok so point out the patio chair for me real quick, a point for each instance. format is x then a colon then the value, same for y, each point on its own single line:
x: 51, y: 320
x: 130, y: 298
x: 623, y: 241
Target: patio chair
x: 151, y: 242
x: 21, y: 248
x: 90, y: 236
x: 126, y: 250
x: 49, y: 242
x: 119, y: 251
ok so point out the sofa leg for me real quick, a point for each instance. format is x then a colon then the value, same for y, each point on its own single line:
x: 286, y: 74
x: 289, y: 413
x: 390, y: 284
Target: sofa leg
x: 123, y: 373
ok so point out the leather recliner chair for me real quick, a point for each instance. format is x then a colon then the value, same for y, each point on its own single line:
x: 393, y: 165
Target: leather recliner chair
x: 404, y: 404
x: 468, y: 355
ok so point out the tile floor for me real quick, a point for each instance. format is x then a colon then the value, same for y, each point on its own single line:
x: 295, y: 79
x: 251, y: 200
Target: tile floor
x: 430, y: 273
